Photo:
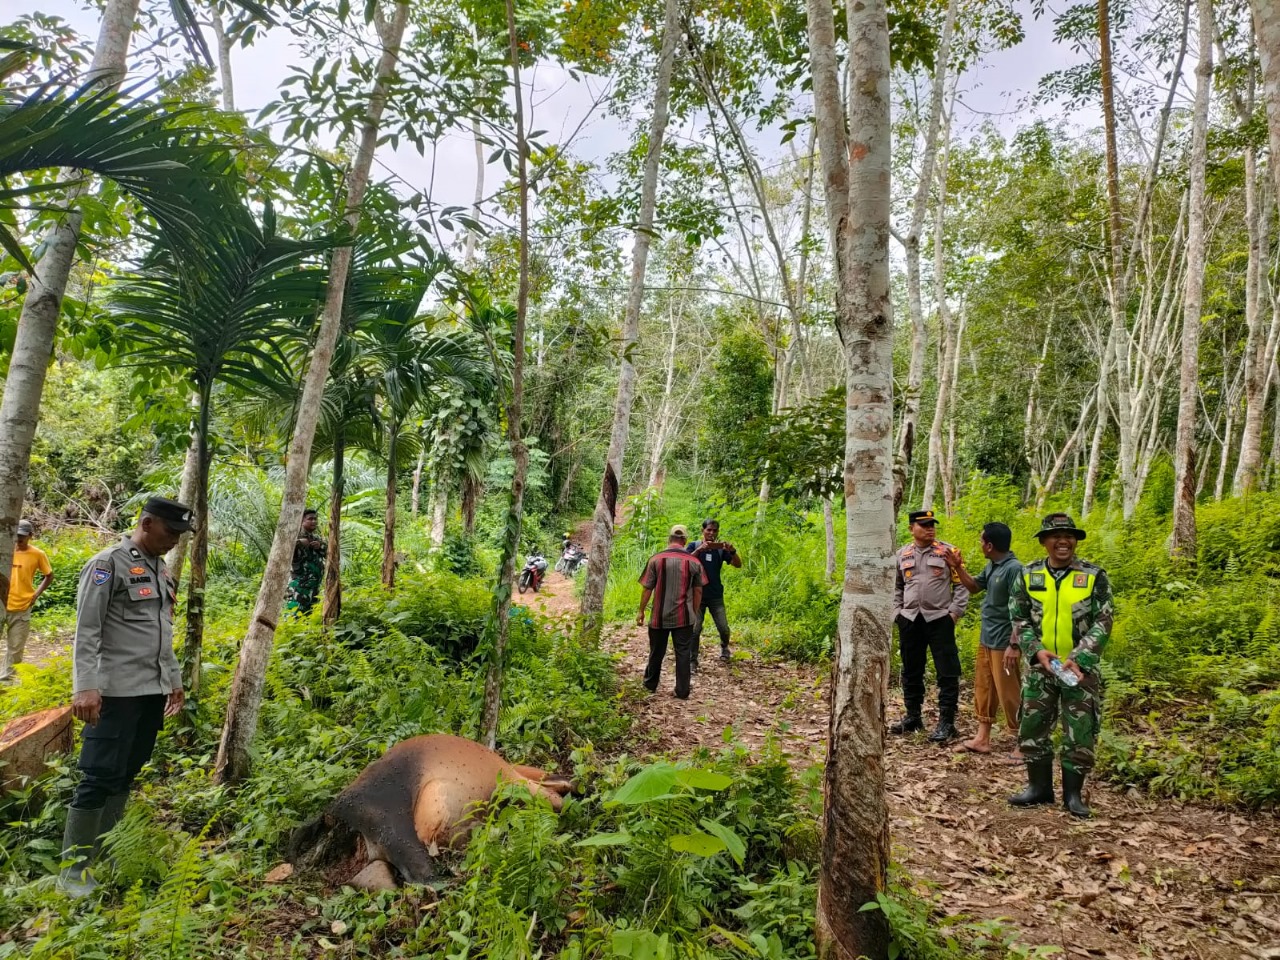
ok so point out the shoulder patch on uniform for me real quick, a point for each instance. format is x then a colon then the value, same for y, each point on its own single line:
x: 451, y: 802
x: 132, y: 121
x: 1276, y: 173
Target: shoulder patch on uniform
x: 1080, y: 580
x: 101, y: 575
x: 1037, y: 581
x: 135, y: 553
x: 905, y: 551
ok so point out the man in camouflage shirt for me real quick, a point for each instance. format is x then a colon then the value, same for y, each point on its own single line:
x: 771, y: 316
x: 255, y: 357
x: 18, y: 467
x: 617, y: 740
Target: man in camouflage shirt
x: 1061, y: 609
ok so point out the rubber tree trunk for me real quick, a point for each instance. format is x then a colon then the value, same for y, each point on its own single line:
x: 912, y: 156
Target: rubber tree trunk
x: 500, y: 616
x: 415, y: 491
x: 1266, y: 27
x: 389, y: 514
x: 1259, y: 347
x: 606, y: 503
x: 193, y: 648
x: 439, y: 509
x: 333, y: 546
x: 856, y: 181
x: 224, y: 59
x: 915, y: 300
x: 38, y: 320
x: 1117, y: 295
x: 245, y: 703
x: 1184, y: 454
x: 176, y: 558
x: 602, y: 525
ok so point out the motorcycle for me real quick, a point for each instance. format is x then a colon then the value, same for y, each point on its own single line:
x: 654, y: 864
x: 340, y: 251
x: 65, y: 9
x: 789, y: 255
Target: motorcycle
x: 572, y: 558
x: 531, y: 576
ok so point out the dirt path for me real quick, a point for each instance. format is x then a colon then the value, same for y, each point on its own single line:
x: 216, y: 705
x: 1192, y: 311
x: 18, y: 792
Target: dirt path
x: 1143, y: 879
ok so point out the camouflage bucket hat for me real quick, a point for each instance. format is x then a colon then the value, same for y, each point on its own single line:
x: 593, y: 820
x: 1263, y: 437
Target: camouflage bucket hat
x: 1059, y: 523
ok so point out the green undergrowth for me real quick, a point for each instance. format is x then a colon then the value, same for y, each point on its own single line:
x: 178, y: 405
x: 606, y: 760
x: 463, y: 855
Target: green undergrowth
x: 714, y: 857
x: 1192, y: 704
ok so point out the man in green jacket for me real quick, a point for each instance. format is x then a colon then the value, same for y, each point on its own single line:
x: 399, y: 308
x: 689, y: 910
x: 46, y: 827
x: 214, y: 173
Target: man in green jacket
x: 1061, y: 609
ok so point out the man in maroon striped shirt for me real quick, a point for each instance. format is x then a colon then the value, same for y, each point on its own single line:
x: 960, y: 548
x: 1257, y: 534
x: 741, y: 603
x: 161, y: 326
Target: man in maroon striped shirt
x: 674, y: 580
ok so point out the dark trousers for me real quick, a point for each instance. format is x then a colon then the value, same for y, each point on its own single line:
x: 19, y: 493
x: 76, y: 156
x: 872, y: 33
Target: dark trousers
x: 718, y: 617
x: 918, y: 638
x: 682, y: 638
x: 117, y: 747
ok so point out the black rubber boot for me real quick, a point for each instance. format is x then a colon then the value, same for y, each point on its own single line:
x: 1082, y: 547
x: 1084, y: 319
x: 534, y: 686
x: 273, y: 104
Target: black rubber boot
x: 112, y: 812
x: 1072, y: 785
x: 1039, y: 785
x: 945, y: 731
x: 78, y: 846
x: 724, y: 652
x: 908, y: 724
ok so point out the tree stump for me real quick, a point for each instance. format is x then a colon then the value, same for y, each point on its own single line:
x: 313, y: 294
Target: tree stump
x: 27, y: 742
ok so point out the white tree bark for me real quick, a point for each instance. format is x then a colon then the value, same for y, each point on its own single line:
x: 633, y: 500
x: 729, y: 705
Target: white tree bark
x: 496, y: 629
x: 948, y: 348
x: 224, y: 59
x: 245, y: 701
x: 664, y: 422
x: 176, y: 558
x: 1184, y: 456
x: 439, y: 510
x: 38, y: 320
x: 602, y: 523
x: 911, y: 242
x: 855, y: 154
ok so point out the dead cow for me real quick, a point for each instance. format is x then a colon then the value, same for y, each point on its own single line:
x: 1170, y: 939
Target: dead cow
x: 420, y: 796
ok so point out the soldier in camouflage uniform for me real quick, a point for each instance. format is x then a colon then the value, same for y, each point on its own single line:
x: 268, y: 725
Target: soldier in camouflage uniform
x: 1061, y: 608
x: 308, y: 567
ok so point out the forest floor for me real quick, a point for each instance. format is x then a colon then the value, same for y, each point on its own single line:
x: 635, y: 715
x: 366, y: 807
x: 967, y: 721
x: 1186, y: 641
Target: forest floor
x: 1144, y: 878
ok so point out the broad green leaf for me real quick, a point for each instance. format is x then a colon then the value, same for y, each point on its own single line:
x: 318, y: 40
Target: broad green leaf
x: 703, y: 779
x: 641, y: 945
x: 651, y: 783
x: 733, y: 843
x: 699, y: 844
x: 605, y: 840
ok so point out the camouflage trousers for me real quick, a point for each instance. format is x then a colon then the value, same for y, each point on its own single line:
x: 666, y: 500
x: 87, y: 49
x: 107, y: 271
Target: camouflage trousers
x: 1043, y: 698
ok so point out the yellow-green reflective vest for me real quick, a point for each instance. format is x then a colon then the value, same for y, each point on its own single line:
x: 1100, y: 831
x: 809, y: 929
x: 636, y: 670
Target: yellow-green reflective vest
x: 1057, y: 600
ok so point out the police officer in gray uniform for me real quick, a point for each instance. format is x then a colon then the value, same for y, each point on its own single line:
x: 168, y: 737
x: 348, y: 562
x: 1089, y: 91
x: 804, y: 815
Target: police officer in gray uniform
x: 126, y: 677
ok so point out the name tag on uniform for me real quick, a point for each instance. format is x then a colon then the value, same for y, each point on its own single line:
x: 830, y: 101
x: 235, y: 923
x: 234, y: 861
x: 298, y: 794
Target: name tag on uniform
x: 1037, y: 581
x: 709, y: 557
x: 1081, y: 580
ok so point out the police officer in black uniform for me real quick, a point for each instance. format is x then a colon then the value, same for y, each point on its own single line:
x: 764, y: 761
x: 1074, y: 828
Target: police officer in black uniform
x: 126, y: 677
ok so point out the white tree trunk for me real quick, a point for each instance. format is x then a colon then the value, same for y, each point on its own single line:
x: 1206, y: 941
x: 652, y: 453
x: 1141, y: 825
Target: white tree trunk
x: 1228, y: 434
x: 829, y: 529
x: 948, y: 348
x: 911, y: 242
x: 224, y: 59
x: 663, y: 424
x: 602, y: 524
x: 1184, y: 457
x: 856, y: 181
x: 496, y: 629
x: 439, y: 510
x: 177, y: 557
x: 245, y: 701
x: 38, y: 321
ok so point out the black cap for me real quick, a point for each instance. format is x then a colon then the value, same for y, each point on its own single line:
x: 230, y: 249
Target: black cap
x: 177, y: 516
x: 1059, y: 523
x: 924, y: 517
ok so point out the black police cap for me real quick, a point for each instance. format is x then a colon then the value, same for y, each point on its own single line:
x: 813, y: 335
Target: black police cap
x: 924, y: 517
x: 177, y: 516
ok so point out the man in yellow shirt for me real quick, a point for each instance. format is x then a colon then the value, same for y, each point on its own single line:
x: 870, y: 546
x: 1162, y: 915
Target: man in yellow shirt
x: 23, y: 593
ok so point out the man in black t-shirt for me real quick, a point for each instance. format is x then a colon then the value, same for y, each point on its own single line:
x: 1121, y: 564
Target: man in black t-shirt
x: 714, y: 554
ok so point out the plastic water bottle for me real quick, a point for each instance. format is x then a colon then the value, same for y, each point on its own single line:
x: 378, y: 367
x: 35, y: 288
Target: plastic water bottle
x: 1065, y: 676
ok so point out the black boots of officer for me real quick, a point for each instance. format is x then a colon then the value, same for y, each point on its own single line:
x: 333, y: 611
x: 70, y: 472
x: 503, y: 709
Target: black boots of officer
x: 908, y: 724
x: 1039, y: 784
x: 946, y: 730
x: 82, y: 842
x: 1072, y: 800
x: 79, y: 844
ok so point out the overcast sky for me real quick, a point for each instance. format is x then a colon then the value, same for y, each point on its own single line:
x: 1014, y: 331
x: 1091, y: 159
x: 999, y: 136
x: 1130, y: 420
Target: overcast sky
x: 999, y: 90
